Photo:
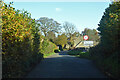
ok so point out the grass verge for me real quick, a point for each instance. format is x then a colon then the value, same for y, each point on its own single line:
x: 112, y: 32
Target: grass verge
x: 46, y: 55
x: 80, y: 54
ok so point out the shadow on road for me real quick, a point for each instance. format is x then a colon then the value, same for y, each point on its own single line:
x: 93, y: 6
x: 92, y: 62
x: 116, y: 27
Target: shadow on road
x: 62, y: 65
x: 63, y: 52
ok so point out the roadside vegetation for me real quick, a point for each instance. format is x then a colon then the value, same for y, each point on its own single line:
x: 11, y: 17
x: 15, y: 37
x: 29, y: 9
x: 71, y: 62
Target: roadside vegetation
x: 26, y: 41
x: 105, y: 54
x: 80, y: 53
x: 23, y: 46
x: 20, y: 42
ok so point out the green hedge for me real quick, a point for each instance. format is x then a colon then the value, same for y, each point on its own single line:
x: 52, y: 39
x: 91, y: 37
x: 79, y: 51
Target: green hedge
x: 74, y: 52
x: 47, y: 47
x: 106, y: 52
x: 80, y: 53
x: 20, y: 42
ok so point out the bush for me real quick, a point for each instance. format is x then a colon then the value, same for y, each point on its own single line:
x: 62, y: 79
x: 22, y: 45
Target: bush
x: 109, y: 29
x: 47, y: 47
x: 79, y: 53
x: 85, y: 55
x: 74, y: 52
x: 56, y: 50
x: 106, y: 52
x: 20, y: 42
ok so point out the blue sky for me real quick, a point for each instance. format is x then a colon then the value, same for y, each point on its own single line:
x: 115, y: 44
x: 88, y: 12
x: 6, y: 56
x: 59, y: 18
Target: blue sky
x: 59, y: 0
x: 81, y: 14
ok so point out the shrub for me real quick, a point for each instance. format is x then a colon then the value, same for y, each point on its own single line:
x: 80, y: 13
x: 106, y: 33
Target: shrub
x: 20, y: 42
x: 106, y: 52
x: 85, y: 55
x: 56, y: 50
x: 47, y: 47
x: 74, y: 52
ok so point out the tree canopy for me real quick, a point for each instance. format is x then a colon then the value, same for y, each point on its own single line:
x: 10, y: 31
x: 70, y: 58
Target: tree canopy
x: 109, y: 27
x: 92, y: 33
x: 48, y: 24
x: 61, y: 40
x: 51, y: 36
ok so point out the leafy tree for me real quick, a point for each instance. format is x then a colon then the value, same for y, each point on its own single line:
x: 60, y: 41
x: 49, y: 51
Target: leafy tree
x: 61, y: 40
x: 93, y: 34
x: 47, y: 25
x: 109, y: 28
x: 76, y: 34
x: 51, y: 36
x: 106, y: 53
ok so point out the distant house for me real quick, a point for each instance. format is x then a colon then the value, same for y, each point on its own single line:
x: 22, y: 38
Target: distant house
x: 79, y: 43
x: 67, y: 46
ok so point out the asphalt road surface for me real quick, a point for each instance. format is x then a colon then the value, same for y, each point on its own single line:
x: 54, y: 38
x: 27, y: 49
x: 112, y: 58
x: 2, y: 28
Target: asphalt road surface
x: 61, y: 65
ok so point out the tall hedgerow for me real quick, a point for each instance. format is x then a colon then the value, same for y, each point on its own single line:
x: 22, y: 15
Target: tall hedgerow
x: 107, y: 51
x: 20, y: 42
x: 109, y: 28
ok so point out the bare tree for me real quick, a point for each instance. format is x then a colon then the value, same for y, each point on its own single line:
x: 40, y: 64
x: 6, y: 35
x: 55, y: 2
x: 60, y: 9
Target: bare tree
x: 69, y: 28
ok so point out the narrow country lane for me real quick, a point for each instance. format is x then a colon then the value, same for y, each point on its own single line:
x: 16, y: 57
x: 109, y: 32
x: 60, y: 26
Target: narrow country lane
x: 61, y: 65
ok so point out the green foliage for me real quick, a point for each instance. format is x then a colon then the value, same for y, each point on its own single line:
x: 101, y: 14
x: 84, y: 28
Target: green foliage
x: 61, y: 40
x: 106, y: 52
x: 80, y: 54
x: 93, y: 34
x: 0, y: 29
x: 56, y: 50
x: 76, y: 34
x: 109, y: 28
x: 74, y: 52
x: 20, y: 42
x: 85, y: 55
x: 47, y: 25
x: 110, y: 65
x: 71, y: 42
x: 44, y: 44
x: 47, y: 47
x: 46, y: 55
x: 51, y: 36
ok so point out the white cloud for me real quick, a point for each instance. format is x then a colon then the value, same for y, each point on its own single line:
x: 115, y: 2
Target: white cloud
x: 58, y: 9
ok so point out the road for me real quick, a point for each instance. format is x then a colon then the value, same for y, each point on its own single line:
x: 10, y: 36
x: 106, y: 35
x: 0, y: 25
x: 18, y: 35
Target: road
x: 61, y: 65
